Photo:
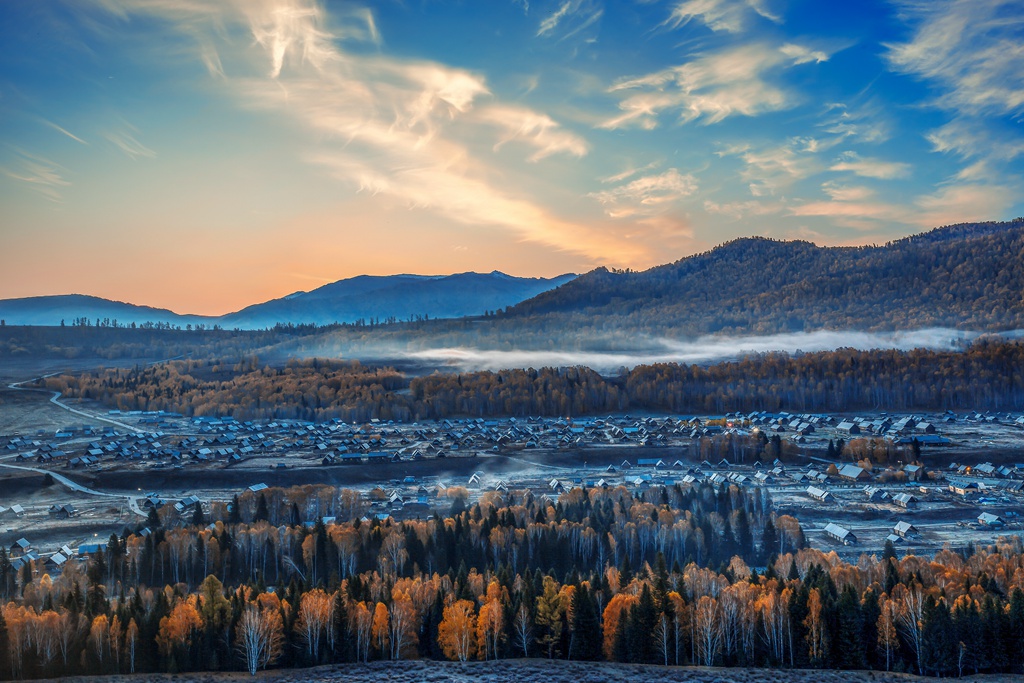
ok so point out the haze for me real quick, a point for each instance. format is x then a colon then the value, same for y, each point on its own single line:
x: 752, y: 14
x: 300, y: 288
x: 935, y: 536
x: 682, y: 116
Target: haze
x: 701, y: 350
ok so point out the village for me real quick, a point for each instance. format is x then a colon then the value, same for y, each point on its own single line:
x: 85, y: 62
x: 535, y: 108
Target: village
x: 104, y: 477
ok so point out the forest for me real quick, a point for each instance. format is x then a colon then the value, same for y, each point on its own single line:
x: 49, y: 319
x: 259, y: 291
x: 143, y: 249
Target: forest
x: 666, y: 576
x: 988, y: 375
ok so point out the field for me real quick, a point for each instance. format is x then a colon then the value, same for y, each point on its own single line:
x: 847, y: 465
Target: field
x: 533, y: 671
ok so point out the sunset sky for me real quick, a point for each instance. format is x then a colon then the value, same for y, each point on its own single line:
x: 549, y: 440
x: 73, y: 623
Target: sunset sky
x: 202, y: 155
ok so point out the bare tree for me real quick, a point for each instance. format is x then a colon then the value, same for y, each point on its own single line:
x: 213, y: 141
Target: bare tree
x: 259, y: 637
x: 522, y: 625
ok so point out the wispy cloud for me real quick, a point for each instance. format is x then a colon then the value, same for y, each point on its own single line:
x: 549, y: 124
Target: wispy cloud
x: 571, y: 18
x: 865, y: 123
x: 954, y: 201
x: 36, y: 172
x: 847, y: 193
x: 743, y: 209
x: 731, y: 16
x: 801, y: 54
x: 770, y: 168
x: 537, y: 130
x: 646, y: 194
x: 960, y: 202
x: 970, y: 50
x: 125, y: 141
x: 711, y: 87
x: 868, y: 167
x: 397, y: 128
x: 629, y: 173
x: 63, y: 131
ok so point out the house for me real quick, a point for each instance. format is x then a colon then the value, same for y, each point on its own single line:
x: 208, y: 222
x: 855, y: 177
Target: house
x: 913, y: 472
x: 256, y: 488
x: 990, y: 520
x: 186, y: 503
x: 841, y: 534
x: 56, y: 560
x: 848, y: 427
x: 63, y: 511
x: 20, y: 547
x: 820, y: 494
x: 875, y: 494
x: 904, y: 500
x: 91, y: 548
x: 905, y: 530
x: 650, y: 462
x: 963, y: 490
x: 854, y: 473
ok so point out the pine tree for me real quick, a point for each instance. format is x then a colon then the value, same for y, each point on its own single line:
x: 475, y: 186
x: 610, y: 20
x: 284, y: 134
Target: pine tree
x: 1015, y: 619
x: 262, y: 512
x: 586, y: 626
x: 848, y: 644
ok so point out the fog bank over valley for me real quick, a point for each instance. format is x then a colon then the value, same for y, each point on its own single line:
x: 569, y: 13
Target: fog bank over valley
x: 705, y: 349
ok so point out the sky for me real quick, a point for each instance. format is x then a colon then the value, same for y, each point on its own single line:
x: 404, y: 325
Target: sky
x: 203, y: 155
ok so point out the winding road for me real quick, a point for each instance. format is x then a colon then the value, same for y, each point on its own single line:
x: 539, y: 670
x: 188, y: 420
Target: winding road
x: 55, y: 400
x: 133, y: 502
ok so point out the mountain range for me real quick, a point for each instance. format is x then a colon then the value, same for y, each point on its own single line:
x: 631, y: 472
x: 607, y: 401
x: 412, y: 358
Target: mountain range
x: 966, y: 276
x: 366, y: 297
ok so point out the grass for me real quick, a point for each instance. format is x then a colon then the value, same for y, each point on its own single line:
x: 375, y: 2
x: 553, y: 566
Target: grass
x: 532, y: 671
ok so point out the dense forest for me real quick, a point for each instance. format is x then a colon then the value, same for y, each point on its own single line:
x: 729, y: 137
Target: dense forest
x: 663, y: 576
x: 988, y: 375
x: 967, y: 276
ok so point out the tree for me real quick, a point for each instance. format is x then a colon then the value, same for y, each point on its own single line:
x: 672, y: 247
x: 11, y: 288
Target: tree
x: 522, y: 626
x: 888, y: 640
x: 380, y: 629
x: 911, y: 618
x: 98, y: 634
x: 585, y: 626
x: 549, y: 616
x: 177, y: 628
x: 616, y: 615
x: 259, y: 636
x: 314, y: 614
x: 362, y: 627
x: 131, y: 643
x: 457, y: 629
x: 401, y: 623
x: 707, y: 629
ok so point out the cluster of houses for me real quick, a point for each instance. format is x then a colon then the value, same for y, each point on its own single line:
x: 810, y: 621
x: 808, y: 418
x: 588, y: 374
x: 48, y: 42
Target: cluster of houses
x: 171, y: 439
x: 22, y: 551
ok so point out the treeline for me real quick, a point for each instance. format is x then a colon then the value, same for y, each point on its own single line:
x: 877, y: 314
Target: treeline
x: 988, y: 375
x: 501, y: 595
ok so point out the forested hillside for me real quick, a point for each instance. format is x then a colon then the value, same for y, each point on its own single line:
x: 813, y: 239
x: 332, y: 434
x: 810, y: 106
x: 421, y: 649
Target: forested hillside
x: 989, y: 375
x: 661, y: 576
x: 967, y: 276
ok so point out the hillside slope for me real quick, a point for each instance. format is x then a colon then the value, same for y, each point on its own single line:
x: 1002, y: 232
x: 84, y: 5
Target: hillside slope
x: 398, y: 297
x: 965, y: 276
x: 51, y: 310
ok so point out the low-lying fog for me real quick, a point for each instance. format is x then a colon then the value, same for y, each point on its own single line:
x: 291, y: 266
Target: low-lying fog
x: 701, y: 350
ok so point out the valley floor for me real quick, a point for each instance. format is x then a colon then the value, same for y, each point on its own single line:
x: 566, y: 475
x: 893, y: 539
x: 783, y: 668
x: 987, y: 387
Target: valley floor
x: 532, y: 671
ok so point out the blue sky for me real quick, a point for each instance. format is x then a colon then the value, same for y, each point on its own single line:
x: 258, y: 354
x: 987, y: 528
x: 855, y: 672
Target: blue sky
x: 204, y: 155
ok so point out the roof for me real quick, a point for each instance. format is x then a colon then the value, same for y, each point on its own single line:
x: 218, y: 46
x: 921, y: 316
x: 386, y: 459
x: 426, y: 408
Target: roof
x: 851, y: 471
x: 989, y: 518
x: 904, y: 528
x: 839, y: 532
